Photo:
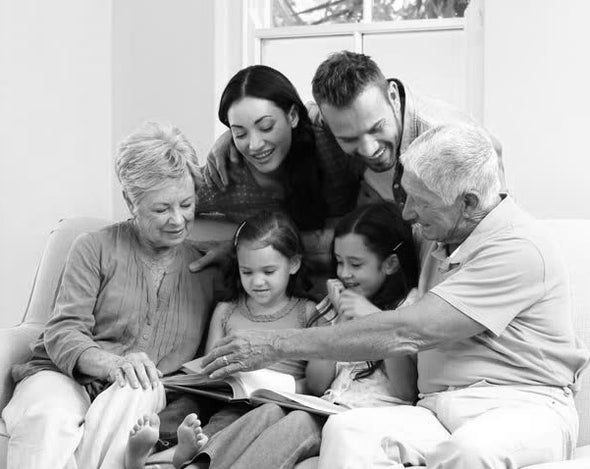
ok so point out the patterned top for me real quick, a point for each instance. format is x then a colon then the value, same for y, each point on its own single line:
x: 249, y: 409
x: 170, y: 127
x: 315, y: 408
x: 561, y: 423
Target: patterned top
x: 297, y: 311
x: 244, y: 197
x: 107, y: 300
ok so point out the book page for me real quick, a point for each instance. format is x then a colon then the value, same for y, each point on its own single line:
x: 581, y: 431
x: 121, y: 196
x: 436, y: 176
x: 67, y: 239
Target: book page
x: 307, y: 402
x: 267, y: 379
x: 194, y: 366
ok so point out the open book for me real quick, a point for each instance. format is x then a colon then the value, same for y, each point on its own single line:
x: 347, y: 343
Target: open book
x: 256, y: 387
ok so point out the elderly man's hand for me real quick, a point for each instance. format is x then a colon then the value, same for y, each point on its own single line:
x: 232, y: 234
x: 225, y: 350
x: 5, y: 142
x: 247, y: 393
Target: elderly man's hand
x: 352, y: 305
x: 135, y: 368
x: 242, y: 351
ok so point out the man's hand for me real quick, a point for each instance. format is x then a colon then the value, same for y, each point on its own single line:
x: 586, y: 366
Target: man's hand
x: 242, y: 351
x: 214, y: 253
x: 135, y: 368
x: 223, y: 152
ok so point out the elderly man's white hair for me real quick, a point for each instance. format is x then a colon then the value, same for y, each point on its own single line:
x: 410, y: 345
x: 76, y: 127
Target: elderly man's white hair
x: 152, y: 154
x: 452, y: 160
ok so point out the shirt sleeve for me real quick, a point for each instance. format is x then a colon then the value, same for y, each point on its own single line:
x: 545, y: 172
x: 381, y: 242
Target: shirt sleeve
x: 497, y: 284
x: 69, y: 331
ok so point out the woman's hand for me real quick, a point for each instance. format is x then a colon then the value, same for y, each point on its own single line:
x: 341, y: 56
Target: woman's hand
x: 135, y: 368
x: 214, y: 253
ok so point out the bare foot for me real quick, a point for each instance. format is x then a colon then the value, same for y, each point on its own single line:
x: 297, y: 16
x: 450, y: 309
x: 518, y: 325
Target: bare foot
x: 142, y: 438
x: 191, y: 440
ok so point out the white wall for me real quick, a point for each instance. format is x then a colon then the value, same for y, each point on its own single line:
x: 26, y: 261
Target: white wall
x: 536, y: 97
x: 55, y: 129
x: 163, y: 70
x: 75, y: 77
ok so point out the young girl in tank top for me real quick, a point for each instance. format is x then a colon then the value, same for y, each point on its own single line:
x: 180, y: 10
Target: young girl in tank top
x: 268, y: 254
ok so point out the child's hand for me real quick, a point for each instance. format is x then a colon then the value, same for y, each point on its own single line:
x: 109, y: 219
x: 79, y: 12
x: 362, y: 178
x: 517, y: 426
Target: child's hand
x: 335, y: 287
x: 353, y: 305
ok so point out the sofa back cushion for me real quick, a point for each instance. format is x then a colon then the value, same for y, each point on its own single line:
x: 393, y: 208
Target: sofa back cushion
x: 571, y: 237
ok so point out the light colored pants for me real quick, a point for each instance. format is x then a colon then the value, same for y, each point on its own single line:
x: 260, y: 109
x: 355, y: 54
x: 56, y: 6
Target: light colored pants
x: 478, y: 427
x: 53, y: 425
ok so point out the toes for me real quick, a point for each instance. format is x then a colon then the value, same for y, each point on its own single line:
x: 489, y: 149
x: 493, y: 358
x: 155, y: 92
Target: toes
x: 190, y: 420
x: 154, y: 420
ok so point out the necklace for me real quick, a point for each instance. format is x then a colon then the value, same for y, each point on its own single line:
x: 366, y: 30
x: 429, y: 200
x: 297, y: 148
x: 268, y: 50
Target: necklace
x: 270, y: 317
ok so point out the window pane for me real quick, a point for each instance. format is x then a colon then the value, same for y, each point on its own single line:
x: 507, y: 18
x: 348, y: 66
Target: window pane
x: 392, y: 10
x: 310, y: 12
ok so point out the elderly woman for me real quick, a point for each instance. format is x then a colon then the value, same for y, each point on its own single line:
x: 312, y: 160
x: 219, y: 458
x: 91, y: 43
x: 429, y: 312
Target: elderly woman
x: 128, y: 311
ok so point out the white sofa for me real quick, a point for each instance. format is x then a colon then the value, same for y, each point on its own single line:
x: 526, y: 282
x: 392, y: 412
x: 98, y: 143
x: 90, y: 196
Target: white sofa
x: 14, y: 342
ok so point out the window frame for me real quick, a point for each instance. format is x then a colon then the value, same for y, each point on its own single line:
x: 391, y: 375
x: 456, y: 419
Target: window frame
x: 256, y: 16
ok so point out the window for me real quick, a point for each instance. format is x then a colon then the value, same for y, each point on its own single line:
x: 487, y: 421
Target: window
x: 315, y: 12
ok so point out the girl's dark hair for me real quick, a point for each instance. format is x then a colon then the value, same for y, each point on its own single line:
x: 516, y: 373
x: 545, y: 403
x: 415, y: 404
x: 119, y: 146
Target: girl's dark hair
x: 266, y: 228
x: 303, y: 195
x: 384, y: 232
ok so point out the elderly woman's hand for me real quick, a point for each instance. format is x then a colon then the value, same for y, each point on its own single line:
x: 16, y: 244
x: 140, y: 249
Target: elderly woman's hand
x: 135, y: 368
x: 242, y: 351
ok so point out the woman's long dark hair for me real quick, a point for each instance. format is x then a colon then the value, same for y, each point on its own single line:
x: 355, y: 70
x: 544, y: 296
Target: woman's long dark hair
x: 384, y: 232
x: 303, y: 195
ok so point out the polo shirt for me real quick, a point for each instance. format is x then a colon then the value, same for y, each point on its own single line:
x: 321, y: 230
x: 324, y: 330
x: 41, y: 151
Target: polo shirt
x: 509, y: 277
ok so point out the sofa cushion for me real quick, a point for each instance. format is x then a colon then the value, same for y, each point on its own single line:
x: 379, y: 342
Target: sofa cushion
x: 572, y: 237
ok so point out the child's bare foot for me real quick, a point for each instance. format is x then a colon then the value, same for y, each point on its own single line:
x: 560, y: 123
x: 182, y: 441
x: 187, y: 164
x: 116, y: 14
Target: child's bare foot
x: 142, y: 438
x: 191, y: 440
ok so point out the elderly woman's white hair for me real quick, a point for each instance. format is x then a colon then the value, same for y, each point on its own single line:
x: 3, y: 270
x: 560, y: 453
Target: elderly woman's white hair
x: 452, y: 160
x: 152, y: 154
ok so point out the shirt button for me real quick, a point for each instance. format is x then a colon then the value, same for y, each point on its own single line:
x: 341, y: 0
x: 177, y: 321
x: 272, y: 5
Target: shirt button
x: 396, y: 186
x: 146, y: 336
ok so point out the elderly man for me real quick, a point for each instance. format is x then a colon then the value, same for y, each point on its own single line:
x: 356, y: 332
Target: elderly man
x: 497, y: 355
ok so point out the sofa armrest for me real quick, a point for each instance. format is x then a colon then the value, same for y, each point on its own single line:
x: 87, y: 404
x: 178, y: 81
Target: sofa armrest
x: 14, y: 349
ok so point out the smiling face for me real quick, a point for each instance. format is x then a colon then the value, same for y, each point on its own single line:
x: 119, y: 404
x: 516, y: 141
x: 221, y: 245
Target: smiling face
x: 261, y: 131
x: 438, y: 220
x: 368, y: 128
x: 359, y: 268
x: 265, y: 273
x: 164, y: 215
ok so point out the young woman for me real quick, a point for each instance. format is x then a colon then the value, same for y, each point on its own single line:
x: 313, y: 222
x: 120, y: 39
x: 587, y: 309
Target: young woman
x: 282, y: 166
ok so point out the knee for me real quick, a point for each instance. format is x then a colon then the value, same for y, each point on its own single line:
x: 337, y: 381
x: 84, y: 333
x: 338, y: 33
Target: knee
x: 52, y: 413
x: 338, y: 425
x: 465, y: 452
x: 297, y: 417
x: 271, y: 412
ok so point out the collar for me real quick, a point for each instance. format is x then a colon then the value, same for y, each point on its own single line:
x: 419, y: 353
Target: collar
x: 501, y: 217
